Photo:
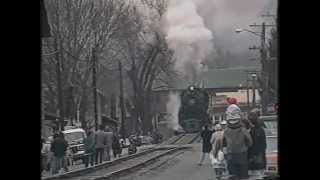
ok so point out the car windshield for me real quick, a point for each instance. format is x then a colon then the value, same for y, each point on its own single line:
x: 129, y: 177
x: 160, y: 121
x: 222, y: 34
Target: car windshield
x: 75, y: 136
x: 271, y: 124
x: 272, y: 144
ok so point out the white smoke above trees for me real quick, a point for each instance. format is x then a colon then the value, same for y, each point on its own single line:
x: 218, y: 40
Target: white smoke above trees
x: 187, y: 36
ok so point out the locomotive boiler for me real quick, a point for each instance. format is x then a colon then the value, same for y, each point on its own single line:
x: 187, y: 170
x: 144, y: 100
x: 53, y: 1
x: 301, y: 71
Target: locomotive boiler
x: 193, y: 110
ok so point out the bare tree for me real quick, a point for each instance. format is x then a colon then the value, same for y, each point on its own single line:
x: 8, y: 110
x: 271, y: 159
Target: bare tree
x: 78, y: 27
x: 148, y: 64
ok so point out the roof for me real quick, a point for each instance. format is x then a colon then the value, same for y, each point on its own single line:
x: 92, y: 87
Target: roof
x: 222, y: 78
x: 73, y: 130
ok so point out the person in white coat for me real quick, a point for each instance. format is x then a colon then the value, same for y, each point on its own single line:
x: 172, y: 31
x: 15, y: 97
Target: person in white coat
x: 217, y: 157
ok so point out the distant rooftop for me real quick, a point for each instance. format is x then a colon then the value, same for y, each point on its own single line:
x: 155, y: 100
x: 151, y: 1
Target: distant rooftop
x: 222, y: 78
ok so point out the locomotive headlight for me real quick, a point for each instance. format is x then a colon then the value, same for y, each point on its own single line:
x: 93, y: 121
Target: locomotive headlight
x: 191, y: 88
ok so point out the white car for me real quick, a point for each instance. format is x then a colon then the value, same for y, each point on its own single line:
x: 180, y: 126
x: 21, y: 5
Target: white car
x: 272, y: 156
x: 146, y: 140
x: 270, y: 124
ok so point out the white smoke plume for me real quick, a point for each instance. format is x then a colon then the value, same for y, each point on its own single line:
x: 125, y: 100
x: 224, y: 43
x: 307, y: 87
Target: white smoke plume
x: 191, y: 41
x: 187, y: 36
x: 173, y: 108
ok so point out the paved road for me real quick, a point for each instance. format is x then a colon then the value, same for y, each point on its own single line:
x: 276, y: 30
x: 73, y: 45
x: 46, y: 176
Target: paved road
x: 181, y: 166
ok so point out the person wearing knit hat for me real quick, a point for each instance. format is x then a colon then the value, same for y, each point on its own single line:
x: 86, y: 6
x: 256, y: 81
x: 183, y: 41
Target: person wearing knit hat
x: 233, y: 112
x: 237, y: 140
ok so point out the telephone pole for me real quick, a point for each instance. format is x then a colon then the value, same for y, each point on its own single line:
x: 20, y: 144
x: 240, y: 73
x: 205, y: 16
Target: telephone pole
x: 123, y: 113
x: 264, y: 74
x: 94, y: 85
x: 60, y: 109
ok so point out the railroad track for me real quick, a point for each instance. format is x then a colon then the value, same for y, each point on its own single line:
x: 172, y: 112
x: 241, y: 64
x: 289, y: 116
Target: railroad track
x: 187, y: 139
x: 127, y: 164
x: 172, y: 140
x: 118, y: 167
x: 181, y: 139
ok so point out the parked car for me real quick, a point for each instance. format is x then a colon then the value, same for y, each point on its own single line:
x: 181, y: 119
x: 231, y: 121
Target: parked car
x: 146, y: 140
x: 270, y: 124
x: 272, y: 156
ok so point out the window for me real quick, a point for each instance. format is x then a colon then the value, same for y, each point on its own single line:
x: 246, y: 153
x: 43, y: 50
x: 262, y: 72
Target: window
x: 271, y: 124
x: 75, y: 136
x: 272, y: 144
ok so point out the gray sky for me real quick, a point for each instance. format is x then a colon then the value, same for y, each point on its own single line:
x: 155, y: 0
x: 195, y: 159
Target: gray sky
x: 222, y: 17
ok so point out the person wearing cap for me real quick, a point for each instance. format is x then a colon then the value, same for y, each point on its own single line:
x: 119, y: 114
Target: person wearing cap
x: 223, y: 124
x: 237, y: 141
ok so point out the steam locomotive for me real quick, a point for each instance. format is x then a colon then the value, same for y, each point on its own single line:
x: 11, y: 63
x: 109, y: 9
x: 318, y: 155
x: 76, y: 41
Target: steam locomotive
x: 193, y: 110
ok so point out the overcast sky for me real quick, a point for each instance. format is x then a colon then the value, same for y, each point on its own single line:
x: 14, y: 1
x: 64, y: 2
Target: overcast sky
x: 222, y: 17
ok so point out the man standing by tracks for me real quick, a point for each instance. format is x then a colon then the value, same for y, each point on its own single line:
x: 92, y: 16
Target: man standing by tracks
x: 116, y: 147
x: 206, y: 144
x: 89, y: 146
x: 100, y: 143
x: 109, y: 137
x: 257, y: 152
x: 59, y: 147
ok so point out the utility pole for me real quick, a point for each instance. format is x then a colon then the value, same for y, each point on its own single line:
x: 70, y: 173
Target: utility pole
x: 248, y: 88
x: 264, y: 75
x: 94, y: 85
x: 123, y: 113
x: 253, y: 91
x: 60, y: 111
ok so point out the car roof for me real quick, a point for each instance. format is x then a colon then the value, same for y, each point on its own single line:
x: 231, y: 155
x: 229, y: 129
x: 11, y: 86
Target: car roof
x: 272, y: 136
x: 73, y: 130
